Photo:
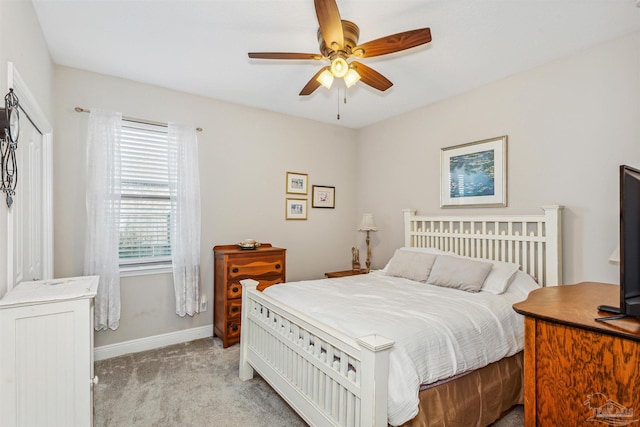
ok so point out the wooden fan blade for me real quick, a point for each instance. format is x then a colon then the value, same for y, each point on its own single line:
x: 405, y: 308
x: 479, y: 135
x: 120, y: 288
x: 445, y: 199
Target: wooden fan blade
x: 371, y: 77
x: 284, y: 55
x: 330, y: 23
x: 312, y: 84
x: 393, y: 43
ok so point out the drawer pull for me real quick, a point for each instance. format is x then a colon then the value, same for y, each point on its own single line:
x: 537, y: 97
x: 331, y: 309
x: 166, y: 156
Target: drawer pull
x: 234, y: 289
x: 234, y: 309
x: 234, y: 328
x: 235, y: 270
x: 277, y: 266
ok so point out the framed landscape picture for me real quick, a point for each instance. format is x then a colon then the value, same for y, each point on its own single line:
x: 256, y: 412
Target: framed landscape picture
x: 297, y: 183
x: 474, y: 174
x: 296, y: 209
x: 323, y: 197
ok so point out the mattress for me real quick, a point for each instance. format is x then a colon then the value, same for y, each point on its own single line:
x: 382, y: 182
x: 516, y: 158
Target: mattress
x: 438, y: 332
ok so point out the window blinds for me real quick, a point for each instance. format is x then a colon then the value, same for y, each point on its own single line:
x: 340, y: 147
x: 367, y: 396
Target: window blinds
x: 145, y: 205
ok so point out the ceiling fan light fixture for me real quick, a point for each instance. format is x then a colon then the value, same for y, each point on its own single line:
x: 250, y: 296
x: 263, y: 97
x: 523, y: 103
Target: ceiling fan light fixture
x: 339, y: 67
x: 338, y: 42
x: 325, y: 79
x: 351, y: 77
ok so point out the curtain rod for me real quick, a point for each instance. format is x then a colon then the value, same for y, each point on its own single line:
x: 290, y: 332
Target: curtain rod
x: 132, y: 119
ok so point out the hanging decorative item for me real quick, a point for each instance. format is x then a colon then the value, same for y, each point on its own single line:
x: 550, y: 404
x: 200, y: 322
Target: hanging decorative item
x: 9, y: 132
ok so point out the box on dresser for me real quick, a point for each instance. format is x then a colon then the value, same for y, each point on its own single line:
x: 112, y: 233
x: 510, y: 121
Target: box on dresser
x: 266, y: 264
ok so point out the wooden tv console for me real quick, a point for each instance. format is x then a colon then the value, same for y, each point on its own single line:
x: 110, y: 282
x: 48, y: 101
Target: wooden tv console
x: 579, y: 371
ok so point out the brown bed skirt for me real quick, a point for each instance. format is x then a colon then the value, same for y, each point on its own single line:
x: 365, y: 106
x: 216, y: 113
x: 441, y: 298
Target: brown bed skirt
x: 476, y: 399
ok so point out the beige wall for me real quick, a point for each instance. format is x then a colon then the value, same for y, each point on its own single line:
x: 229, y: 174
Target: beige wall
x: 244, y: 155
x: 570, y: 124
x: 22, y: 42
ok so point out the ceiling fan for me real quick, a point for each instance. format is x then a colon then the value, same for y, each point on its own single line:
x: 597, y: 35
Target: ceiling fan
x: 338, y: 41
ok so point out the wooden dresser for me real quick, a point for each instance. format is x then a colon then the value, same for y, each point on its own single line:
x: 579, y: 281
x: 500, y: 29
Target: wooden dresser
x: 579, y: 371
x: 265, y: 264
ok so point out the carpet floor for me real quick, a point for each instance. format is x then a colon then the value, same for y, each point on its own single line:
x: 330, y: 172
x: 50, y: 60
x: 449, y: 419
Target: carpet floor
x: 195, y: 384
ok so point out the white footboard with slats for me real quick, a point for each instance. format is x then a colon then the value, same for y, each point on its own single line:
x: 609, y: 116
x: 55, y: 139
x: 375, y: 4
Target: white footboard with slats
x: 327, y: 377
x: 332, y: 379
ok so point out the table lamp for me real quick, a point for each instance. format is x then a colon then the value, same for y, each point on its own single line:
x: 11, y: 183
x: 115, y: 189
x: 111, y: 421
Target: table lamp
x: 368, y: 224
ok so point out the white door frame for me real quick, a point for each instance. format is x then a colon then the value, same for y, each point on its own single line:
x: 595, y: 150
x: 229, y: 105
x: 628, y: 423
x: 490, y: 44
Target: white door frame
x: 29, y: 105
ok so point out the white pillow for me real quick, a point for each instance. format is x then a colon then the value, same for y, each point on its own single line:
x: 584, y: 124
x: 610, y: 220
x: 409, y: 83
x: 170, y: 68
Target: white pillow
x: 411, y: 265
x: 521, y: 285
x: 455, y: 272
x: 500, y: 277
x: 413, y: 249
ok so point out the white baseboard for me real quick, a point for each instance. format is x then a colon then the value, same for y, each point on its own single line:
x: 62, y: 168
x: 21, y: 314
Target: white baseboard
x: 149, y: 343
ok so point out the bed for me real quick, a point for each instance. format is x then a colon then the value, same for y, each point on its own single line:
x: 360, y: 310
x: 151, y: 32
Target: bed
x: 333, y: 375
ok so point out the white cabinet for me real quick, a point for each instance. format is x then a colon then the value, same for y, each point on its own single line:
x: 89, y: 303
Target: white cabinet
x: 46, y: 353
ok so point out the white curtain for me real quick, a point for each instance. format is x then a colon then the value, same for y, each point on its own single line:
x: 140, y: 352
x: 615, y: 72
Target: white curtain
x: 103, y: 214
x: 184, y: 189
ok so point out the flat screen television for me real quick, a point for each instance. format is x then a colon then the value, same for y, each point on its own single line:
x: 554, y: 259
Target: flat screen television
x: 629, y: 244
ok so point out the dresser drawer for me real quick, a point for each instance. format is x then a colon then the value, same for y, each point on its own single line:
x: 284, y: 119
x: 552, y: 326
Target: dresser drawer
x: 266, y: 266
x: 234, y: 308
x: 234, y: 289
x: 233, y: 330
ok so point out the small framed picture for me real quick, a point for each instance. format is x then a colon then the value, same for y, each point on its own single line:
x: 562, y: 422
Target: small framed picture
x: 296, y: 209
x: 297, y: 183
x: 323, y: 197
x: 474, y: 174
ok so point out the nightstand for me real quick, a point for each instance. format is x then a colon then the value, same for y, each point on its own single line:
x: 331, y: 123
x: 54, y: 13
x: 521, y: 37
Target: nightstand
x: 345, y: 273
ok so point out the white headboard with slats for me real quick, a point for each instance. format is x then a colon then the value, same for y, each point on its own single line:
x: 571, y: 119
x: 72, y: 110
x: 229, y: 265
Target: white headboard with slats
x: 532, y: 241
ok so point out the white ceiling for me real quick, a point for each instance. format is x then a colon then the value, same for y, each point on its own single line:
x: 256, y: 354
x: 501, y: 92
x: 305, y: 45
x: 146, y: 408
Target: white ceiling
x: 201, y: 46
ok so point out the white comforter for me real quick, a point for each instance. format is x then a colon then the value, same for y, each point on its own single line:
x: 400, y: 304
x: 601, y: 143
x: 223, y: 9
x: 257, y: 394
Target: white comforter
x: 438, y: 332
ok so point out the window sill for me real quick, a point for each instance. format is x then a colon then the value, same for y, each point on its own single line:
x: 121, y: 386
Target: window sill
x: 144, y: 270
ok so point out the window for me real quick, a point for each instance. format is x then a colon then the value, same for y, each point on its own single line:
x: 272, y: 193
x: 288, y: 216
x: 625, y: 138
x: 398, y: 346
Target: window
x: 145, y: 234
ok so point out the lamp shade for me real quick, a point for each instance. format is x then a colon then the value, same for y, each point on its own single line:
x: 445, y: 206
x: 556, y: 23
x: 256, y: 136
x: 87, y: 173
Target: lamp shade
x: 351, y: 78
x: 325, y: 79
x: 367, y: 223
x: 339, y: 67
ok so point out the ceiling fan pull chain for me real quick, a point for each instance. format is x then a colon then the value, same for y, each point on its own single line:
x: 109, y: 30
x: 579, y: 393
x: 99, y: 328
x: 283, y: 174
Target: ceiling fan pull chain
x: 338, y: 104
